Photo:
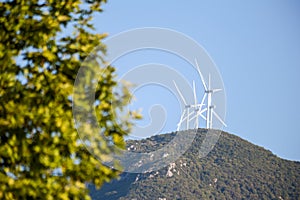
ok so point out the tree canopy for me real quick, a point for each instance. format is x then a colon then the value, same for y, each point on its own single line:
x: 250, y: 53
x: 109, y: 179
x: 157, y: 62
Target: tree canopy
x: 42, y: 46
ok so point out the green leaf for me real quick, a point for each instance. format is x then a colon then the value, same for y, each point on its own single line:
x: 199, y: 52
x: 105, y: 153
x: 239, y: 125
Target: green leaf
x: 63, y: 18
x: 49, y: 55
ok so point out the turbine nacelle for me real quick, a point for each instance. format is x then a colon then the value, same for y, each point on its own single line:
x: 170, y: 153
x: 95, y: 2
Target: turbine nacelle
x: 213, y: 91
x: 198, y: 106
x: 213, y: 107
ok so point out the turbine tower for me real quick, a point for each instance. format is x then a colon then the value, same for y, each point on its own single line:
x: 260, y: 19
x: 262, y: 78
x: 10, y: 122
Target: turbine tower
x: 208, y: 92
x: 197, y: 107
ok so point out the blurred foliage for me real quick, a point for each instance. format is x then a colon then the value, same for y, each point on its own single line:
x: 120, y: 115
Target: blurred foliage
x: 41, y: 156
x: 234, y: 169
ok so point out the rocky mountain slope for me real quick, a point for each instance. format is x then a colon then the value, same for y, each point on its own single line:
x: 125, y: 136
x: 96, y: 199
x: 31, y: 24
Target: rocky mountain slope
x: 234, y: 169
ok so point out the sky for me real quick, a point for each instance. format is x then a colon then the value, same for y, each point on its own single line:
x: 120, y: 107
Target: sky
x: 255, y: 46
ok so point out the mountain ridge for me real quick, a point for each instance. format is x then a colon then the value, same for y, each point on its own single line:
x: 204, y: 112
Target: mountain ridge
x: 234, y: 169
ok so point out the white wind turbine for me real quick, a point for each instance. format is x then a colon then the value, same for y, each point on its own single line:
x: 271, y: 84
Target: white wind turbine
x: 186, y: 115
x: 186, y: 110
x: 210, y: 108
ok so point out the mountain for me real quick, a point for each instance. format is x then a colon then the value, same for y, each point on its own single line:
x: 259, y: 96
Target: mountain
x: 234, y: 169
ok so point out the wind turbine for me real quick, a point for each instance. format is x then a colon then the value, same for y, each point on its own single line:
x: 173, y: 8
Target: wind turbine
x: 209, y: 92
x: 197, y: 109
x: 185, y: 111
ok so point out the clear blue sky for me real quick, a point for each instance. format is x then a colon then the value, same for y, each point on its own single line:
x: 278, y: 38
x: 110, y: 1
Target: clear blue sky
x: 256, y: 46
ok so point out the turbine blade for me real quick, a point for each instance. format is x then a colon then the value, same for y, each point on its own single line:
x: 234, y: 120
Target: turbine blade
x: 188, y: 115
x: 203, y: 116
x: 199, y: 72
x: 216, y: 90
x: 209, y: 86
x: 180, y: 93
x: 195, y: 96
x: 180, y: 121
x: 219, y: 118
x: 199, y: 113
x: 191, y: 119
x: 181, y: 117
x: 202, y: 111
x: 203, y: 99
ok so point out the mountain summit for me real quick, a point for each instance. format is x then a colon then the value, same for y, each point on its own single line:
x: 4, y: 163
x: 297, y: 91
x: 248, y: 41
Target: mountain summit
x: 234, y: 169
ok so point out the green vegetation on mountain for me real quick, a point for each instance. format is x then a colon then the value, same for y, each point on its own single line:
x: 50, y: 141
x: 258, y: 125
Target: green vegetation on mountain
x: 234, y: 169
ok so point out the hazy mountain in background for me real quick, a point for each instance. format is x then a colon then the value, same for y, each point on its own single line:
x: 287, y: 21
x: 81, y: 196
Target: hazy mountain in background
x: 234, y: 169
